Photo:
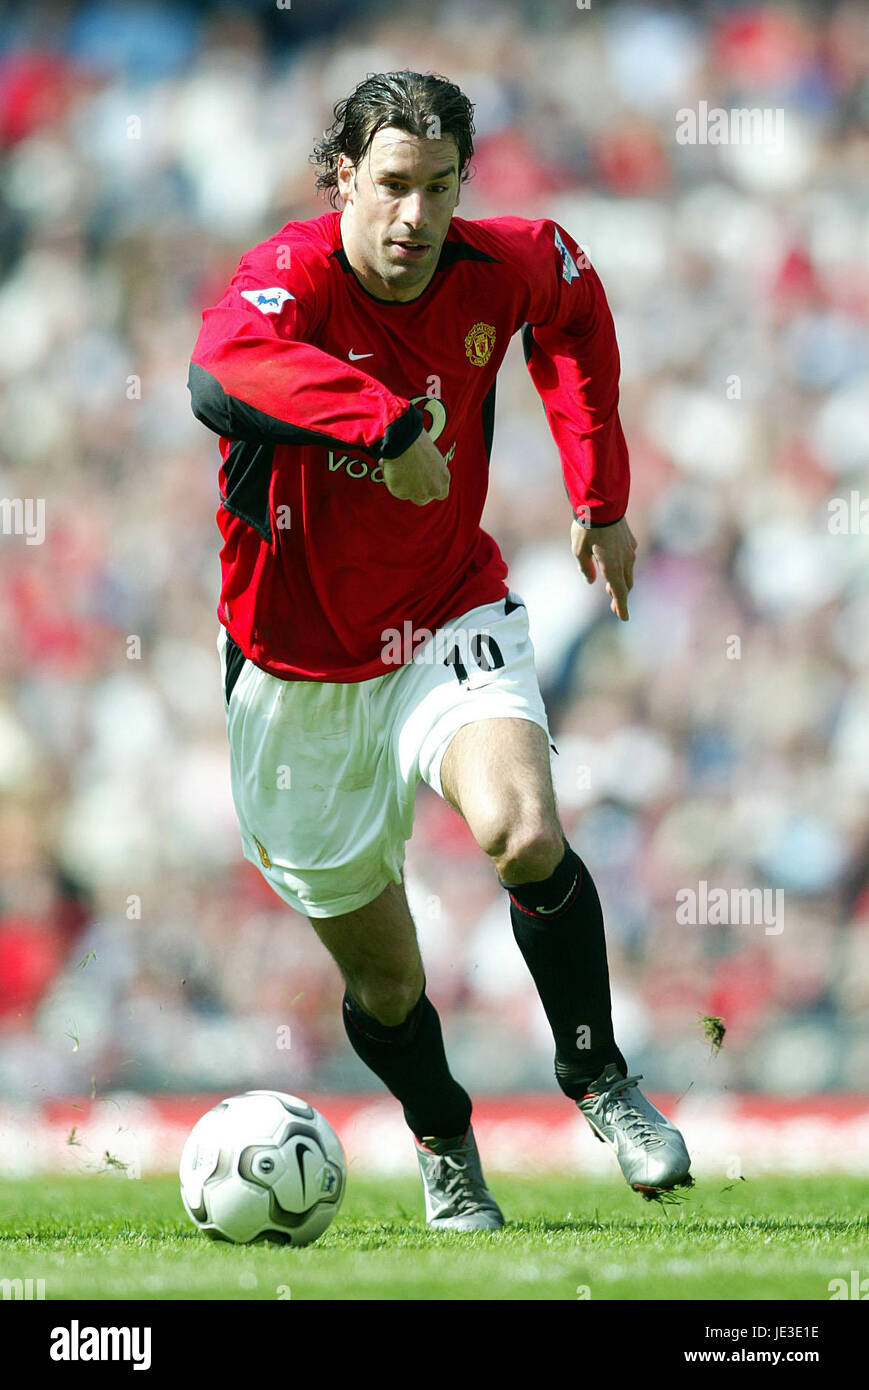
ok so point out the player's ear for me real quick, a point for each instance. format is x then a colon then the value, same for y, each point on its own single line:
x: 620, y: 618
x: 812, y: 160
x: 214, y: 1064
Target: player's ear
x: 346, y: 174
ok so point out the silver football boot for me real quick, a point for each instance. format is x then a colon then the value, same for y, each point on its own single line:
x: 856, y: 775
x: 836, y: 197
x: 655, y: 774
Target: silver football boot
x: 650, y: 1150
x: 456, y: 1195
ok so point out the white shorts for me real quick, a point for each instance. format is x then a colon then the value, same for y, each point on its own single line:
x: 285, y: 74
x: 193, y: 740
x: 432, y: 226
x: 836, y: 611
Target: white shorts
x: 324, y: 774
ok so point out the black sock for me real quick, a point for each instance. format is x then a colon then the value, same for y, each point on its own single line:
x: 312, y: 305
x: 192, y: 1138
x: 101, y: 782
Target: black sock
x: 411, y: 1062
x: 566, y: 954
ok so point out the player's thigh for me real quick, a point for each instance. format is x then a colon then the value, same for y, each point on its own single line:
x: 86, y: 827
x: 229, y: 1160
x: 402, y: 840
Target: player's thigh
x: 376, y: 949
x: 314, y: 792
x: 497, y: 773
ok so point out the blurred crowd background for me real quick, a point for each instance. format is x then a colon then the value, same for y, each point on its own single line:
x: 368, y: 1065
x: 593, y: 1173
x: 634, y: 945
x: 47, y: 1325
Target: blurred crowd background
x: 722, y: 736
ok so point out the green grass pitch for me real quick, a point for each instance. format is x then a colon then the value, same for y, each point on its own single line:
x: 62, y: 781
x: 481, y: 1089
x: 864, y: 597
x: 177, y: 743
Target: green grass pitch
x: 107, y: 1237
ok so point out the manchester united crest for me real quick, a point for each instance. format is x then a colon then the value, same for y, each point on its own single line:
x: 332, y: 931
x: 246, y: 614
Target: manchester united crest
x: 479, y: 343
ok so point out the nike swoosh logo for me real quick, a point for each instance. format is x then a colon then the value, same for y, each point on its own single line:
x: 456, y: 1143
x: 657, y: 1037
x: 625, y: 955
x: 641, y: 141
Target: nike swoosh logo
x: 548, y: 911
x: 301, y: 1150
x: 354, y: 356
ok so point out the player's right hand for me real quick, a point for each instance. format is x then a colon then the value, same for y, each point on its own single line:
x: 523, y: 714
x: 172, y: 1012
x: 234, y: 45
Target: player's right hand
x: 419, y: 475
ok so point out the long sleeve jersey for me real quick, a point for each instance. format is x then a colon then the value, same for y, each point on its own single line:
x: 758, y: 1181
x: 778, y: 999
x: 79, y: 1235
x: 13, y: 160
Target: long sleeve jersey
x: 310, y: 381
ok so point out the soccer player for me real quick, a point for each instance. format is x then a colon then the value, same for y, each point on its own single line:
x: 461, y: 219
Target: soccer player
x: 368, y: 638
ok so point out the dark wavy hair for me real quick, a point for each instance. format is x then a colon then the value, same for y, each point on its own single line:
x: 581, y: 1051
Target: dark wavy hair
x: 409, y: 101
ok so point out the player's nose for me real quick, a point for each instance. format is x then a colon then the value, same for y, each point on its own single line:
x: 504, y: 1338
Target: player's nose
x: 412, y: 211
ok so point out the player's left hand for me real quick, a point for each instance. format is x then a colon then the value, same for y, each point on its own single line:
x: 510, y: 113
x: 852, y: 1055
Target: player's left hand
x: 614, y: 548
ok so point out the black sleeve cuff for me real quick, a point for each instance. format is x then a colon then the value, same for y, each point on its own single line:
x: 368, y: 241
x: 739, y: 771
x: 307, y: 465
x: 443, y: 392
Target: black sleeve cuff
x: 599, y: 525
x: 402, y: 432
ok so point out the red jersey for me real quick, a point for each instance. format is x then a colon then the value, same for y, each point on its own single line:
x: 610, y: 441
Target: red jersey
x: 310, y: 380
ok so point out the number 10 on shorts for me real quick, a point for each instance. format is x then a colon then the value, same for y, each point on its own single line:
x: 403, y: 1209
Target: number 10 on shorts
x: 484, y: 651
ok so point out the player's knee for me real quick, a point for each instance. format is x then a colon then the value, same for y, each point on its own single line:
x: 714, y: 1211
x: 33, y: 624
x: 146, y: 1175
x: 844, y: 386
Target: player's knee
x: 528, y: 852
x: 387, y: 999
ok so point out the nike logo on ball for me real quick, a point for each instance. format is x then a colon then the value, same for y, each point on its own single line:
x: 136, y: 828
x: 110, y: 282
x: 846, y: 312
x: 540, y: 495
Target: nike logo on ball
x: 354, y: 356
x: 301, y: 1150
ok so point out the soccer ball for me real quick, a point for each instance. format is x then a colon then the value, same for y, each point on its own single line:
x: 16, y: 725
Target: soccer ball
x: 263, y: 1166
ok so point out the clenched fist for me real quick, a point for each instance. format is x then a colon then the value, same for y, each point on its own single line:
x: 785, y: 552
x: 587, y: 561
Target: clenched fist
x: 418, y: 475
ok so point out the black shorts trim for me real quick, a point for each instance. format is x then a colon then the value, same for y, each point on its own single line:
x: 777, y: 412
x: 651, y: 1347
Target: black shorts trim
x: 235, y: 659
